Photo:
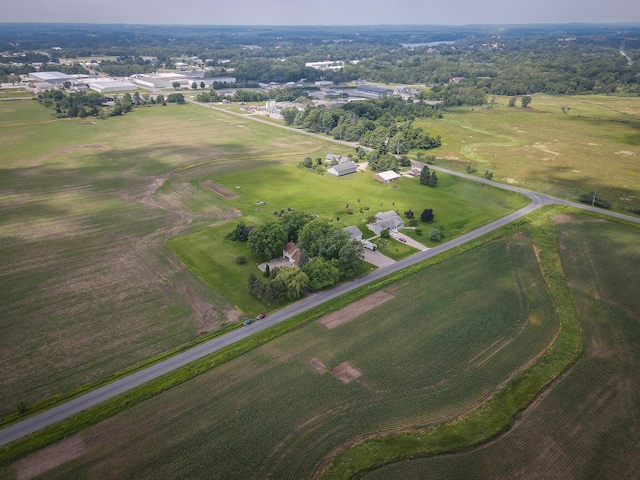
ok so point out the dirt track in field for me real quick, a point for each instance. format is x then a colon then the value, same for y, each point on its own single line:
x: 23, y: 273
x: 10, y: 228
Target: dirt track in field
x: 354, y: 310
x: 49, y: 457
x: 223, y: 192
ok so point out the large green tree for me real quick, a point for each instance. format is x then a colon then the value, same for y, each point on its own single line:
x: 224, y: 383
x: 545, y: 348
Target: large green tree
x: 293, y: 280
x: 268, y: 240
x: 351, y: 255
x: 425, y: 176
x: 293, y: 222
x: 322, y: 273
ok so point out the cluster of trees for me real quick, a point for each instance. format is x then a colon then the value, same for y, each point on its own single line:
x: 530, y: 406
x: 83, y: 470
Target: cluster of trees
x: 592, y: 198
x: 126, y: 66
x: 384, y: 124
x: 525, y: 101
x: 287, y: 94
x: 328, y: 253
x: 86, y: 104
x: 428, y: 178
x: 456, y: 94
x: 80, y: 104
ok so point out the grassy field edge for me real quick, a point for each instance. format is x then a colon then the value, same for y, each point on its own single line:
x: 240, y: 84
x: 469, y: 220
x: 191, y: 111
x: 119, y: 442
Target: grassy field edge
x: 497, y: 413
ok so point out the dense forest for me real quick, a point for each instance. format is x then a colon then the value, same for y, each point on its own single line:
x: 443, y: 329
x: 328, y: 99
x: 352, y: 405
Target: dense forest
x: 506, y: 60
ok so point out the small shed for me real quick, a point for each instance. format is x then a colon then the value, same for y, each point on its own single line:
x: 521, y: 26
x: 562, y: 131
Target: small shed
x: 386, y: 177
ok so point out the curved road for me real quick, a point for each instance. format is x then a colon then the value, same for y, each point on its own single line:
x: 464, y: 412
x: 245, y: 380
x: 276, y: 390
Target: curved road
x: 72, y: 407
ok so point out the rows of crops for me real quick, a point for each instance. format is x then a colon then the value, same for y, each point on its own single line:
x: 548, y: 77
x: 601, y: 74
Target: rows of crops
x: 588, y: 426
x: 451, y: 335
x: 88, y: 287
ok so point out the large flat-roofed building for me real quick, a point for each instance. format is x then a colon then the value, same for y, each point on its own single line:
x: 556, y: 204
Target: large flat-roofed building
x: 185, y: 79
x: 374, y: 91
x: 51, y: 77
x: 111, y: 86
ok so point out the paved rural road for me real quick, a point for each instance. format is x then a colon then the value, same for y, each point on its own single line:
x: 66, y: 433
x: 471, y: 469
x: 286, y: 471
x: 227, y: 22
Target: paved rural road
x: 117, y: 387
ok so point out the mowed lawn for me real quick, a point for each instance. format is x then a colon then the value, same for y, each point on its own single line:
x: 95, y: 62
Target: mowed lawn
x: 588, y: 425
x: 594, y: 146
x: 459, y: 206
x: 442, y: 341
x: 88, y: 286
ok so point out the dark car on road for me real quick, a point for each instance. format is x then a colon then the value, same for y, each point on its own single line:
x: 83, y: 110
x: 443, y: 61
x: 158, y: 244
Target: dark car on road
x: 248, y: 321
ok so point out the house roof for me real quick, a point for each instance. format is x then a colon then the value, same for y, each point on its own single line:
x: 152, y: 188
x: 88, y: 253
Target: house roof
x: 373, y: 89
x: 386, y: 220
x: 343, y: 167
x: 290, y: 248
x: 331, y: 157
x: 353, y: 231
x: 386, y: 215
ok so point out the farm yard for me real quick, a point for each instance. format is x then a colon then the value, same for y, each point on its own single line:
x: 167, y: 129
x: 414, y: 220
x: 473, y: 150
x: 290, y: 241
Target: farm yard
x: 443, y: 340
x: 460, y: 206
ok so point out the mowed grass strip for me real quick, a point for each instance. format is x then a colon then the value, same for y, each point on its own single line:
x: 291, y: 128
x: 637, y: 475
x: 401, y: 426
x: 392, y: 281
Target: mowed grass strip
x: 448, y: 337
x: 587, y: 424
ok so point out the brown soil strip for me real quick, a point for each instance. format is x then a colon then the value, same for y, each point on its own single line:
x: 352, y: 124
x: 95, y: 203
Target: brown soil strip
x: 354, y: 310
x: 223, y: 192
x: 345, y: 372
x: 90, y: 147
x: 50, y: 457
x: 318, y: 365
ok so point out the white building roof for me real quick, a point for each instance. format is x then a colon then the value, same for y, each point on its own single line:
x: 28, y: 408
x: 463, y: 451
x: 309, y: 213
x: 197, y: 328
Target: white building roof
x: 111, y: 86
x: 51, y: 77
x: 388, y: 175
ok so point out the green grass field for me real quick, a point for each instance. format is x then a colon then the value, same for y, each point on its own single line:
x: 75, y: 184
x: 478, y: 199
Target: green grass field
x: 587, y: 425
x: 595, y: 145
x: 445, y: 339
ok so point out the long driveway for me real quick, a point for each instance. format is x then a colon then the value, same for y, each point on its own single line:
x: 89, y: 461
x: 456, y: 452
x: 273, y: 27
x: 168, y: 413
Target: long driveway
x: 72, y: 407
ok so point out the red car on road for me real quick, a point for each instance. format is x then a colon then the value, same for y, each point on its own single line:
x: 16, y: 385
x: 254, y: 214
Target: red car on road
x: 261, y: 316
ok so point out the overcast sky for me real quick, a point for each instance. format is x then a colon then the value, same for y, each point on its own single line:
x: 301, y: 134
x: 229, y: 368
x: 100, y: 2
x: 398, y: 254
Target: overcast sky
x: 322, y: 12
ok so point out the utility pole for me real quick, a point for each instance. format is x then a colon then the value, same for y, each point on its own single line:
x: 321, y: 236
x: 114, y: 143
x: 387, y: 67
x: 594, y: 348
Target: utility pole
x: 593, y: 202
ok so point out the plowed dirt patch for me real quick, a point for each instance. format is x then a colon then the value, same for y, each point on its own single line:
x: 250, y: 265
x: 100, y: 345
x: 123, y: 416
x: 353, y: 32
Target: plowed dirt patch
x: 223, y: 192
x: 345, y: 372
x: 355, y: 310
x: 318, y: 365
x: 50, y: 457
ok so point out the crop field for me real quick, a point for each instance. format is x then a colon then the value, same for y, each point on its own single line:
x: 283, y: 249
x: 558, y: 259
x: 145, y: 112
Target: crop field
x: 587, y: 425
x: 442, y: 340
x: 594, y: 146
x: 88, y: 287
